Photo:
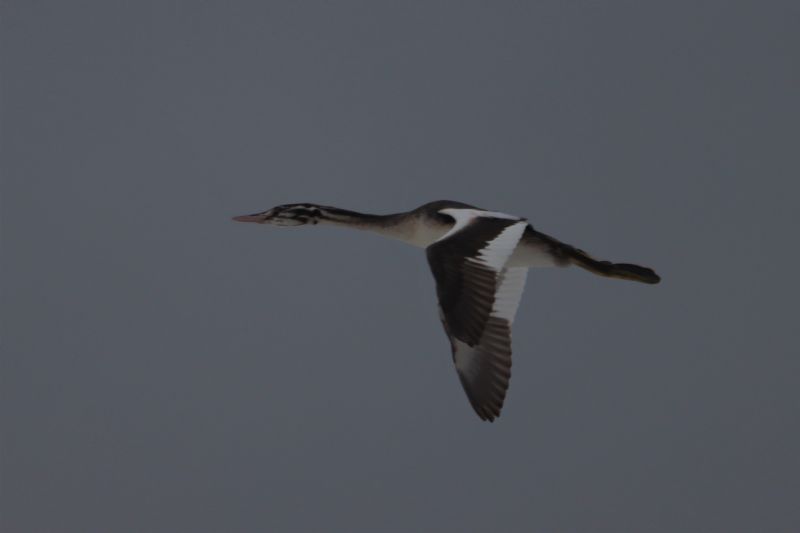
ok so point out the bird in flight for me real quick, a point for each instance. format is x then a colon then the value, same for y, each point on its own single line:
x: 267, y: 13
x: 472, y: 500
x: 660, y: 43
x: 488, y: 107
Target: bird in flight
x: 480, y: 260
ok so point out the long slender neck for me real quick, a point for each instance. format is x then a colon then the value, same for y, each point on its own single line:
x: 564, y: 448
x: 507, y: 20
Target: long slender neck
x: 399, y: 226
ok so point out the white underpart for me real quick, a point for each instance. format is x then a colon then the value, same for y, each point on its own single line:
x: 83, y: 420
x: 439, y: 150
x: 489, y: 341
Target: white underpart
x: 531, y: 255
x: 420, y: 234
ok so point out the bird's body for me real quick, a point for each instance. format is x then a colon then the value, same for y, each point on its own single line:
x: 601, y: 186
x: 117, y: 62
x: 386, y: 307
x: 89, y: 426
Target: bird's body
x: 480, y: 260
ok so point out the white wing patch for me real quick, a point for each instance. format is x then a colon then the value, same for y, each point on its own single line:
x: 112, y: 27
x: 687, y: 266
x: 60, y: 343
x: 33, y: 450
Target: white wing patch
x: 464, y: 358
x: 496, y: 253
x: 511, y: 284
x: 465, y: 216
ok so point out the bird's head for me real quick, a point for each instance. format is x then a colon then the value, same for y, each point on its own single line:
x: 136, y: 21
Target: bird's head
x: 285, y: 215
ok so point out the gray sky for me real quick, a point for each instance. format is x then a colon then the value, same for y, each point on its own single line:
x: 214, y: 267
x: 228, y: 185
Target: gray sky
x: 165, y: 369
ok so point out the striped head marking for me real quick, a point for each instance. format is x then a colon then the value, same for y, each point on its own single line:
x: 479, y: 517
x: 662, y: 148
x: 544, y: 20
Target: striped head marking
x: 285, y: 215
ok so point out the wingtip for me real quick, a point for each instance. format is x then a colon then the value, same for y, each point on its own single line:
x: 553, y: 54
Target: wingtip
x: 486, y: 413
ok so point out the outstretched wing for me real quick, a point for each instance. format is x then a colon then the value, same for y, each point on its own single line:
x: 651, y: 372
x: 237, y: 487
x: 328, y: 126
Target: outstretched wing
x: 478, y: 298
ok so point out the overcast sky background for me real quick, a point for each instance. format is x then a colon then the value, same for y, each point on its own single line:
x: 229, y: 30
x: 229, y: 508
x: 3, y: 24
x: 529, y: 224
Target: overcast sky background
x: 165, y: 369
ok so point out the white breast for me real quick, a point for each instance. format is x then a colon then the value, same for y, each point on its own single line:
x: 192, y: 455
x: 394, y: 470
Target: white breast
x: 531, y: 255
x: 422, y: 233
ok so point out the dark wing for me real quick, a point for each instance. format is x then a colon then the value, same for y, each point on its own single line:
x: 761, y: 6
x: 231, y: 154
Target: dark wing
x: 478, y: 298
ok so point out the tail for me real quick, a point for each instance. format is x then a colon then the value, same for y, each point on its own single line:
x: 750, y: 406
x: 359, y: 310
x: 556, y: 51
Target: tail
x: 612, y: 270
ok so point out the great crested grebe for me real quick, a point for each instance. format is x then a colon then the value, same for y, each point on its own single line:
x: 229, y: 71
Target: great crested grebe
x: 480, y: 261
